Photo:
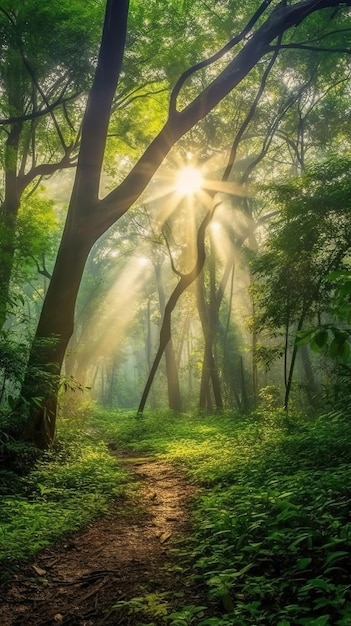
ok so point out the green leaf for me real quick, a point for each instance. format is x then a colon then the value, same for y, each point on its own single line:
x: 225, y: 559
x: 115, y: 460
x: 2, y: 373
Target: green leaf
x: 12, y: 402
x: 335, y: 556
x: 321, y: 338
x: 337, y: 274
x: 323, y: 620
x: 339, y: 348
x: 302, y: 338
x: 320, y: 583
x: 302, y: 564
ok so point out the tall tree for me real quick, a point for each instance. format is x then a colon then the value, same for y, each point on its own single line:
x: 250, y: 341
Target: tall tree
x: 309, y: 239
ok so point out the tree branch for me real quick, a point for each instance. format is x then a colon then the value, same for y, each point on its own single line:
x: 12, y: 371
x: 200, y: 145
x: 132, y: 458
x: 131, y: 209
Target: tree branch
x: 215, y: 57
x: 44, y: 169
x: 40, y: 113
x: 301, y: 46
x: 282, y: 18
x: 98, y: 110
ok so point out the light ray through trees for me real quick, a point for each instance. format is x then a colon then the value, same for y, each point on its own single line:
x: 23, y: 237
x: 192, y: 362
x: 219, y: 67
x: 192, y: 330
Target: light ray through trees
x: 116, y: 313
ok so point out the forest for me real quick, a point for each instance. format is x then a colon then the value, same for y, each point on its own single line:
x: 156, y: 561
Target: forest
x: 175, y: 313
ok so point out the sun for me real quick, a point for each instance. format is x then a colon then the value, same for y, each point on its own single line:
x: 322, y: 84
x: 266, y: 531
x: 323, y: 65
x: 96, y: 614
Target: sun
x: 188, y: 180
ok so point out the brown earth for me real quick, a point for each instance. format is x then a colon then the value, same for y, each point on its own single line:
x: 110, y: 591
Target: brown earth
x: 126, y: 554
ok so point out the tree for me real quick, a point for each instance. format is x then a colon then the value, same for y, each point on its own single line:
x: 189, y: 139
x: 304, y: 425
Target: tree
x: 88, y: 216
x: 332, y: 337
x: 309, y: 239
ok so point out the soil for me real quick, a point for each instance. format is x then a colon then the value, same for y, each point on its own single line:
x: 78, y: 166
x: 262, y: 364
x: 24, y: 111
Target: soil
x: 125, y: 554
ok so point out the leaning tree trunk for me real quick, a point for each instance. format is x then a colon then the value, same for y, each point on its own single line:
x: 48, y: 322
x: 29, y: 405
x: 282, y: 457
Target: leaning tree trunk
x: 57, y: 317
x: 173, y: 388
x: 49, y: 348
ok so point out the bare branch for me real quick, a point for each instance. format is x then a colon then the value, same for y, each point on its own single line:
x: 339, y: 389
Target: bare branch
x: 43, y: 95
x: 250, y: 114
x: 45, y: 169
x: 41, y: 270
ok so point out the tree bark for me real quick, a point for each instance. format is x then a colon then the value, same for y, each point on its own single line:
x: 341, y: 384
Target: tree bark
x: 174, y: 400
x: 208, y: 317
x: 8, y: 217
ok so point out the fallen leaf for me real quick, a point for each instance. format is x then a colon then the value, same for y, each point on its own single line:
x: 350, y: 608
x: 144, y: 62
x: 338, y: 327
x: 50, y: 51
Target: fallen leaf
x: 39, y: 570
x: 164, y: 537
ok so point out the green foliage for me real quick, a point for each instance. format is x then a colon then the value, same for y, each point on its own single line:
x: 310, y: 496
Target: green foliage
x: 271, y: 536
x: 12, y: 363
x: 186, y: 616
x: 309, y: 238
x: 152, y: 605
x: 37, y: 226
x: 333, y: 339
x: 28, y: 30
x: 65, y: 489
x: 16, y: 457
x: 158, y: 606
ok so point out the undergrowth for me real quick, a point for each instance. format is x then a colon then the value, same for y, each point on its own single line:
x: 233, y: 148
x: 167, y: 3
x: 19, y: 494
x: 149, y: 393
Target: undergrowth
x: 271, y: 538
x: 272, y: 529
x: 57, y: 493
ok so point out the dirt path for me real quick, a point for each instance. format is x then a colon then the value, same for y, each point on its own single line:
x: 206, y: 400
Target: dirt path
x: 121, y: 556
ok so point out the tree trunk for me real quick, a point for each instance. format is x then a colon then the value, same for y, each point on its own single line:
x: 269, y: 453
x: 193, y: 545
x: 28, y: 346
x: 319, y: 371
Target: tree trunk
x: 49, y: 348
x: 173, y: 388
x: 57, y: 317
x: 310, y: 383
x: 8, y: 218
x: 289, y: 375
x: 209, y: 374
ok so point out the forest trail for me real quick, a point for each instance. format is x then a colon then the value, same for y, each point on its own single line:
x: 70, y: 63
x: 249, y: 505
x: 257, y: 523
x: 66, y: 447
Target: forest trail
x: 119, y: 556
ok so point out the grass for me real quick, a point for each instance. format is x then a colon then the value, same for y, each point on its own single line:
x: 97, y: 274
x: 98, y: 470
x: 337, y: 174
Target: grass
x: 63, y: 491
x: 272, y: 532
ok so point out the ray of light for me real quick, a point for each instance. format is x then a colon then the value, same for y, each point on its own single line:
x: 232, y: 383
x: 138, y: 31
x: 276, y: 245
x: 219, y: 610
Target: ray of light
x: 117, y: 311
x: 187, y: 180
x: 230, y: 188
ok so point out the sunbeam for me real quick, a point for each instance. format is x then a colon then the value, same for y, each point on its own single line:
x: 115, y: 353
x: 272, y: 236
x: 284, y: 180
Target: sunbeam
x: 116, y: 313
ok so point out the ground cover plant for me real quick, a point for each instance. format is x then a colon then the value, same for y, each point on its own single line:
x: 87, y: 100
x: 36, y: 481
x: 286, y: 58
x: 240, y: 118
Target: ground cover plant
x: 272, y: 534
x: 45, y: 498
